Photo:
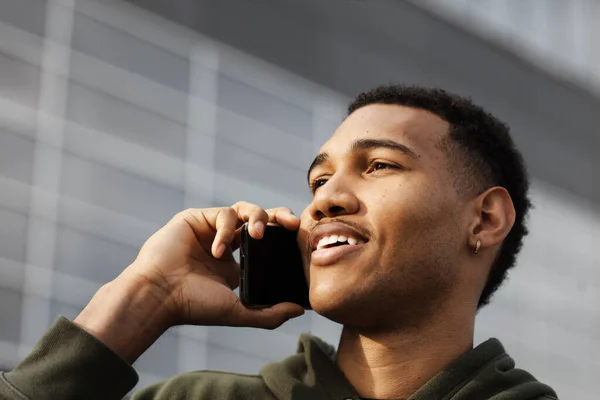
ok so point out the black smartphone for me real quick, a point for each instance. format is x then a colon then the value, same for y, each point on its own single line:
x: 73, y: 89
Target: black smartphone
x: 271, y: 269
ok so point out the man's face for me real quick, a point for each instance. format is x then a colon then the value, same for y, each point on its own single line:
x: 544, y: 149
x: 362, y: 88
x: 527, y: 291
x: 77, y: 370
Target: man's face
x: 382, y: 183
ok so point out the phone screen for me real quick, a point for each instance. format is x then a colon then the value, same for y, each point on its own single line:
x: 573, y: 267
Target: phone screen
x: 271, y: 269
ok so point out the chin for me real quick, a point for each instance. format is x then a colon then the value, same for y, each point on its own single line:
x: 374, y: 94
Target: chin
x: 338, y: 302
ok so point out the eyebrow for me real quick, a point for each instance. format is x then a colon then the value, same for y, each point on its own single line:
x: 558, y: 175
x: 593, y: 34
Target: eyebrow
x: 362, y: 145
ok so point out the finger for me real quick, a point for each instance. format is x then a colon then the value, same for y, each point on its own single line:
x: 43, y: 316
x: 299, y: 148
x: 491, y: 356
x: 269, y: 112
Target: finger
x: 279, y: 216
x: 266, y: 318
x: 256, y: 217
x: 237, y: 239
x: 202, y: 222
x: 226, y: 223
x: 285, y: 217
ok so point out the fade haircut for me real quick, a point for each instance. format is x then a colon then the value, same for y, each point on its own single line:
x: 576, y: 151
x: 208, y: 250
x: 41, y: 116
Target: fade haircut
x: 481, y: 154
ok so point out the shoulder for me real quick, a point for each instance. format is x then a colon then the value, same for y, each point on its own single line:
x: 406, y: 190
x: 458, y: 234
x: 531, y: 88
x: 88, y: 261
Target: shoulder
x: 207, y: 384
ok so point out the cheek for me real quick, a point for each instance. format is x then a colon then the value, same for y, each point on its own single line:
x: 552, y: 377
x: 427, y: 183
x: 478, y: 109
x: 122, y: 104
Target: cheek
x: 409, y: 214
x: 306, y: 225
x: 399, y: 201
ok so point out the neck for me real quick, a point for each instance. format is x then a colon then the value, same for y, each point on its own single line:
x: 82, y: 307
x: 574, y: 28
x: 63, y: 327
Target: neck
x: 394, y: 364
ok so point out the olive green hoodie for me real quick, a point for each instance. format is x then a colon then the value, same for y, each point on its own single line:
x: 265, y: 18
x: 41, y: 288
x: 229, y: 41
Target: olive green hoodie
x: 68, y: 364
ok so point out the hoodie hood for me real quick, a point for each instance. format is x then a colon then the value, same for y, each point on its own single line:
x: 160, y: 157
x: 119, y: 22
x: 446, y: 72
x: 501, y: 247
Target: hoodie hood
x: 309, y: 374
x: 486, y: 372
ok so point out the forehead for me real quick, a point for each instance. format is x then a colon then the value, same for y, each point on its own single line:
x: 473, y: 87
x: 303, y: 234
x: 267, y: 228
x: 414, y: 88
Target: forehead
x: 419, y: 129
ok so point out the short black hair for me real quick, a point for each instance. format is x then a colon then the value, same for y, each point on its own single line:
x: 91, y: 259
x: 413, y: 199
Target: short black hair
x: 481, y: 153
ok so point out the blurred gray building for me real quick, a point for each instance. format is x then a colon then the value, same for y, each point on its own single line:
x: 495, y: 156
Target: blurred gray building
x: 116, y: 115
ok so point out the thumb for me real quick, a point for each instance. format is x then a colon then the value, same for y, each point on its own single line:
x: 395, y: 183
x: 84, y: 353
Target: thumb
x: 267, y: 318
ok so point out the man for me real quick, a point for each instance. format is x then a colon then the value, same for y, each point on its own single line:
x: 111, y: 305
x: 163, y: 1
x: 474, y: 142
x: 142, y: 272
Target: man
x: 434, y: 194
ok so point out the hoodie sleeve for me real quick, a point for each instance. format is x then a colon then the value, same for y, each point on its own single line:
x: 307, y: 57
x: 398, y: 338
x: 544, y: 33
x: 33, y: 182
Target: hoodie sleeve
x: 68, y: 363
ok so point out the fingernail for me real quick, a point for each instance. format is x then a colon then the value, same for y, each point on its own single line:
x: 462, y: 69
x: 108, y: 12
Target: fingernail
x: 259, y: 227
x: 220, y: 250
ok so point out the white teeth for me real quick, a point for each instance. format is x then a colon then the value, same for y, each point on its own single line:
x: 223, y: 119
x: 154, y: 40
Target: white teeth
x: 327, y: 240
x: 323, y: 242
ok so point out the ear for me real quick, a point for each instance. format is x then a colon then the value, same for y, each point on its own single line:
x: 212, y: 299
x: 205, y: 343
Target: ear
x: 496, y: 216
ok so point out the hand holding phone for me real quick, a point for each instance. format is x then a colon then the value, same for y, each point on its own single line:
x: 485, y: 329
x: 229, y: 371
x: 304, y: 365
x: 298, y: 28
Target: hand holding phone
x: 271, y: 269
x: 185, y: 273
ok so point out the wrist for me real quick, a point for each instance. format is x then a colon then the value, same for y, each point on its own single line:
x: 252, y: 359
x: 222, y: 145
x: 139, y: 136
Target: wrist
x: 127, y: 315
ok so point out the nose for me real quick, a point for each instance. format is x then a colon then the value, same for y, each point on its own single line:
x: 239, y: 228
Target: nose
x: 333, y: 199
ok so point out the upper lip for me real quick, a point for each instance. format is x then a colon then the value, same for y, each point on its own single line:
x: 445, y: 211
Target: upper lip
x: 334, y: 228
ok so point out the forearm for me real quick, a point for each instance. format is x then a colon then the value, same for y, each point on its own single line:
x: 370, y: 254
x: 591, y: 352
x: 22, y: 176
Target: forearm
x: 67, y: 363
x: 91, y: 358
x: 127, y: 316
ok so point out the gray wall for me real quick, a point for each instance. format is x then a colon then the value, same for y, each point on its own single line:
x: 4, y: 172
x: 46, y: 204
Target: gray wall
x: 351, y: 46
x: 560, y: 37
x: 122, y: 117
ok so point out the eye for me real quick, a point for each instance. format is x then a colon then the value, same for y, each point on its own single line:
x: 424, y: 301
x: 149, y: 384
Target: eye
x: 317, y: 183
x: 379, y: 165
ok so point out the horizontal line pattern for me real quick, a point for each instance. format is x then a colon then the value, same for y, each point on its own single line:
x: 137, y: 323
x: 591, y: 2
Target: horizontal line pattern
x: 101, y: 148
x: 121, y: 178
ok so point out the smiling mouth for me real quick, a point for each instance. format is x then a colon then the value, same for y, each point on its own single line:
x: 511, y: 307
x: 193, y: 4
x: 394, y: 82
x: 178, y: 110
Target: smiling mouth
x: 330, y: 241
x: 333, y: 253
